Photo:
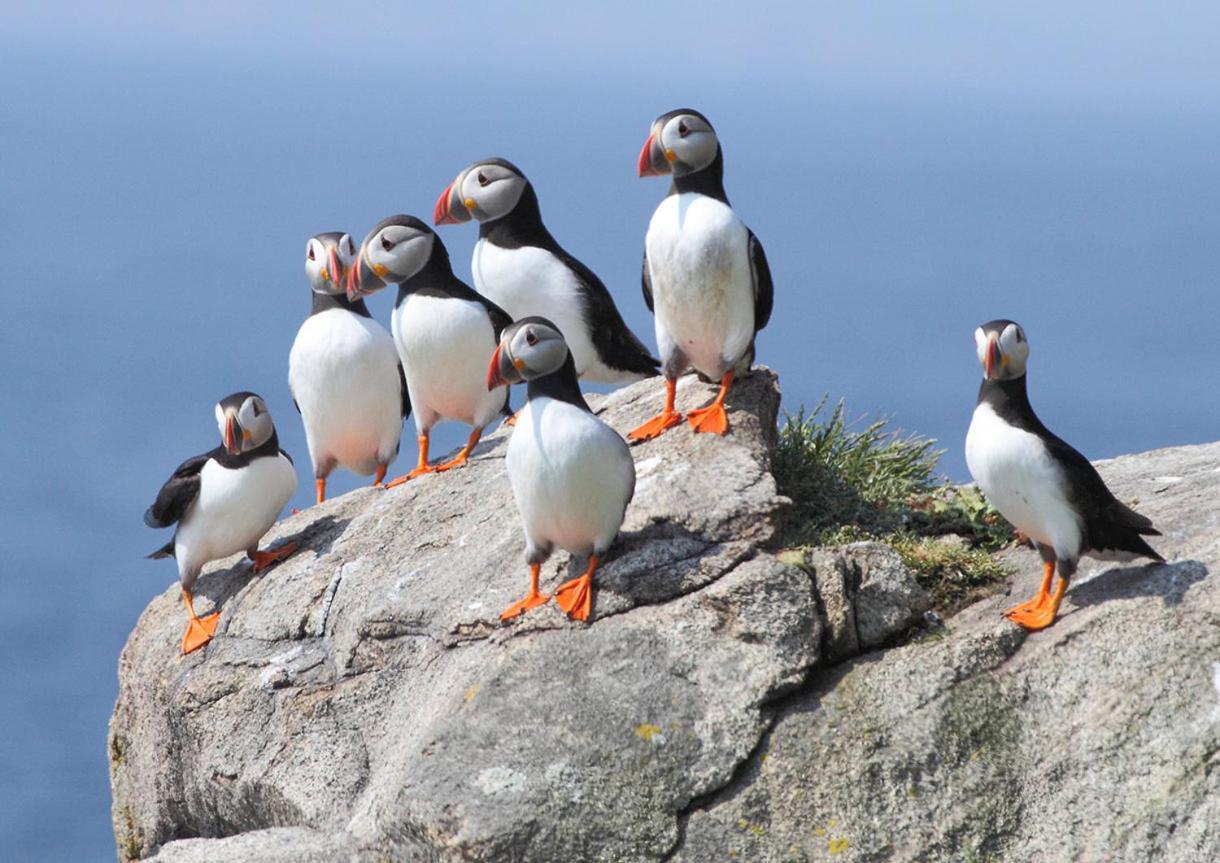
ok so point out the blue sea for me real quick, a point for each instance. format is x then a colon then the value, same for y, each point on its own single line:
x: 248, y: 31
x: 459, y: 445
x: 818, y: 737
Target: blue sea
x: 911, y: 170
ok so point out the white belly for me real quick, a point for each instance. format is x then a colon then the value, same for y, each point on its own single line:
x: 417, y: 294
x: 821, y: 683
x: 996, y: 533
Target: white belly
x: 572, y: 476
x: 446, y: 345
x: 531, y: 281
x: 1014, y: 470
x: 343, y: 373
x: 233, y: 511
x: 702, y: 283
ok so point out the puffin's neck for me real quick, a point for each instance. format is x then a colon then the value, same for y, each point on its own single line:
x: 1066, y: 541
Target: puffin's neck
x: 708, y: 181
x: 1010, y: 401
x: 325, y: 302
x: 522, y: 226
x: 560, y: 384
x: 436, y: 274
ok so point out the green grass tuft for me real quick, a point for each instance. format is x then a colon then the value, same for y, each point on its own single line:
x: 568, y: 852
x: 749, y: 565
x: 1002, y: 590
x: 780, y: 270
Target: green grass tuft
x: 849, y: 484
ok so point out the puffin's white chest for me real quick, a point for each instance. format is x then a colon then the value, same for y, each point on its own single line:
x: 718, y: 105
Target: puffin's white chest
x: 235, y: 507
x: 445, y: 345
x: 572, y: 476
x: 702, y: 283
x: 343, y: 373
x: 1017, y: 474
x: 531, y: 281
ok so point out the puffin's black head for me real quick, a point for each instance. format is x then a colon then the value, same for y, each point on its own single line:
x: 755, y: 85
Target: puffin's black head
x: 244, y: 421
x: 397, y: 248
x: 680, y: 142
x: 529, y: 348
x: 486, y: 190
x: 1002, y: 349
x: 328, y: 258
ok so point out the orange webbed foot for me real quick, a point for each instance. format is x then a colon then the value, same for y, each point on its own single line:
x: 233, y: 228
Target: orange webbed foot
x: 512, y: 420
x: 575, y: 597
x: 417, y: 472
x: 199, y: 631
x: 531, y: 600
x: 1033, y: 619
x: 656, y: 426
x: 457, y: 461
x: 712, y: 419
x: 264, y: 559
x: 1027, y: 607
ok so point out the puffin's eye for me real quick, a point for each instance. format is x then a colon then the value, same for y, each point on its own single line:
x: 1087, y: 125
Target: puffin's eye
x: 351, y: 247
x: 387, y: 243
x: 310, y: 247
x: 682, y: 130
x: 482, y: 179
x: 530, y: 338
x: 254, y: 405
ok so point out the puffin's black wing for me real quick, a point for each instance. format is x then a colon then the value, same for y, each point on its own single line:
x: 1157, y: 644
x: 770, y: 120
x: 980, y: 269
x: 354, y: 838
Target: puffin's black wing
x: 764, y: 292
x: 1109, y: 524
x: 499, y: 318
x: 646, y: 283
x: 406, y: 396
x: 178, y: 493
x: 617, y: 346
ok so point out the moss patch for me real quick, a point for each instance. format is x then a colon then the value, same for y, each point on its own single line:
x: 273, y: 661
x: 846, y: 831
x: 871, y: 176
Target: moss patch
x: 849, y: 482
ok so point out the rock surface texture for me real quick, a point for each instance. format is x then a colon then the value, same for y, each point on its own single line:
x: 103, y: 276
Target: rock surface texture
x: 361, y: 701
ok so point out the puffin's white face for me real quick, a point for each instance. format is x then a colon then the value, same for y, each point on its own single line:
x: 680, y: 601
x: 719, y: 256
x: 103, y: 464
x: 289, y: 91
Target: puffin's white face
x: 244, y: 425
x: 489, y: 191
x: 328, y: 257
x: 1002, y: 349
x: 531, y: 348
x: 397, y: 252
x: 687, y: 143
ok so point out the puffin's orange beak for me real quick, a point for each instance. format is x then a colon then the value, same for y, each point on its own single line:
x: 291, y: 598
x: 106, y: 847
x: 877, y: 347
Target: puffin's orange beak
x: 232, y: 434
x: 993, y: 357
x: 646, y: 164
x: 441, y: 214
x: 353, y: 280
x: 494, y: 378
x: 334, y: 270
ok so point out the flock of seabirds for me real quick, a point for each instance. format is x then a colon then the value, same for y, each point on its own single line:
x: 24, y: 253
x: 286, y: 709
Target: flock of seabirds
x: 539, y: 316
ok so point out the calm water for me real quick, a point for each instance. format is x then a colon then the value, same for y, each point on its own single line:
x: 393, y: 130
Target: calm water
x: 157, y: 197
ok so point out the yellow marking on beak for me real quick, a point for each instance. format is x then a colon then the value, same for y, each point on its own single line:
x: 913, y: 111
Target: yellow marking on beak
x: 468, y: 203
x: 326, y: 275
x: 518, y: 363
x: 670, y: 155
x: 246, y: 435
x: 380, y: 270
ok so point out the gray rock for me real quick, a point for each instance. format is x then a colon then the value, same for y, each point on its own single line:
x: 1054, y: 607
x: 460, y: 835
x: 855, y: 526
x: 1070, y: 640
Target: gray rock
x: 1096, y: 739
x: 363, y: 700
x: 888, y: 599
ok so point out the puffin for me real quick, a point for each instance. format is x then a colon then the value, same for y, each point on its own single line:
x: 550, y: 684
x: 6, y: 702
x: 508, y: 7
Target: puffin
x: 224, y: 501
x: 705, y: 276
x: 572, y: 475
x: 520, y: 266
x: 344, y: 373
x: 443, y: 330
x: 1048, y: 491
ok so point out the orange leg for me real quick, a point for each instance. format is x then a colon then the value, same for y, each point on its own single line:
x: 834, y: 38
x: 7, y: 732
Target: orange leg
x: 462, y: 457
x: 421, y: 467
x: 575, y: 597
x: 1040, y: 616
x: 512, y: 420
x: 199, y: 630
x: 264, y: 559
x: 320, y: 487
x: 667, y: 418
x: 379, y: 479
x: 532, y: 599
x: 713, y: 419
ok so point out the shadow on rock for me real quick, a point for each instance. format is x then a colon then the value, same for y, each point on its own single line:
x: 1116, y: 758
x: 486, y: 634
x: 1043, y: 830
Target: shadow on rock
x: 317, y: 536
x: 1169, y: 581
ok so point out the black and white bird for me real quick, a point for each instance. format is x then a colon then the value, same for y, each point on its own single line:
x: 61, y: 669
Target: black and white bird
x: 1046, y: 489
x: 224, y: 501
x: 705, y: 275
x: 572, y: 475
x: 442, y: 327
x: 518, y: 265
x: 344, y: 373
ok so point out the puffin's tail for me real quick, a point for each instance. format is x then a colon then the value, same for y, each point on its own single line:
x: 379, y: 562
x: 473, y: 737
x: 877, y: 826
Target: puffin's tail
x: 166, y: 550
